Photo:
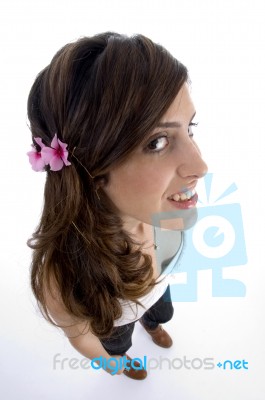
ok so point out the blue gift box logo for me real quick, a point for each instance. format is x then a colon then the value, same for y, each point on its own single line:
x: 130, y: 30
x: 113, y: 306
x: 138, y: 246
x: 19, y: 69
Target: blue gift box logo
x: 216, y: 241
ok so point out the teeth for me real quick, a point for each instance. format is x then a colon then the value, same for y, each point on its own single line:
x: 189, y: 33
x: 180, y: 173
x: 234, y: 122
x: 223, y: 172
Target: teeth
x: 176, y: 197
x: 183, y: 196
x: 190, y: 193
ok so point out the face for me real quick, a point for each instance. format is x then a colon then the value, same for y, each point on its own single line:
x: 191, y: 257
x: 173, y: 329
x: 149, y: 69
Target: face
x: 161, y: 174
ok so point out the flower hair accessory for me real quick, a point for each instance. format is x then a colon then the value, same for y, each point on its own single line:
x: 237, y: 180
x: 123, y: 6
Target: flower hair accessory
x: 54, y: 156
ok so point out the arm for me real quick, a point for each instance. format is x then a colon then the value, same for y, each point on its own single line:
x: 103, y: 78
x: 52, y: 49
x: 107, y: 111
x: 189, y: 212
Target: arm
x: 78, y: 333
x: 90, y: 346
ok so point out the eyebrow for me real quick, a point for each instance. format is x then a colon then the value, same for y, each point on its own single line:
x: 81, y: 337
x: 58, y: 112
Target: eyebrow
x: 169, y: 125
x: 175, y: 124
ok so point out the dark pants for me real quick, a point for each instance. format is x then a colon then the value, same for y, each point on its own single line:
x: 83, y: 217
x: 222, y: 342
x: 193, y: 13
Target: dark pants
x: 121, y: 338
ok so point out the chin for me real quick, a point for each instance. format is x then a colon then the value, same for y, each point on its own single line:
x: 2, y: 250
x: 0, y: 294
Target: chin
x: 175, y: 220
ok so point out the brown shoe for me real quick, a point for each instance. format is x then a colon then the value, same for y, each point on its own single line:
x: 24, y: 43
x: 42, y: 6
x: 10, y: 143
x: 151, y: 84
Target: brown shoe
x: 159, y: 335
x: 138, y: 374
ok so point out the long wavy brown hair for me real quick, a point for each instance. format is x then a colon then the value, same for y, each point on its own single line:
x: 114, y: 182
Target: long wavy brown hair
x: 102, y: 95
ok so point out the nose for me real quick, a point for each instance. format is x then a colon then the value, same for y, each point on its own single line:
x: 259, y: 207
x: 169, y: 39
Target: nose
x: 191, y: 163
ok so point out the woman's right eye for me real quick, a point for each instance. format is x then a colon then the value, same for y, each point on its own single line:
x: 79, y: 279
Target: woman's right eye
x: 158, y: 144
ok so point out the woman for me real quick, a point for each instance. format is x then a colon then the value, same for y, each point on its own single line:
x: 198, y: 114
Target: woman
x: 111, y: 121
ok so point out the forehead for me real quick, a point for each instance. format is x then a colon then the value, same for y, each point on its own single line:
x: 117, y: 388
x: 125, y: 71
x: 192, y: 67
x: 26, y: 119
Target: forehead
x: 181, y: 108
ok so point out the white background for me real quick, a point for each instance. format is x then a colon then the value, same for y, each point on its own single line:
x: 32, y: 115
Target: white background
x: 222, y: 43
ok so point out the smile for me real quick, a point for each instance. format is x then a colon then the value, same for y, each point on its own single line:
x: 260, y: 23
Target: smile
x: 183, y: 196
x: 184, y: 200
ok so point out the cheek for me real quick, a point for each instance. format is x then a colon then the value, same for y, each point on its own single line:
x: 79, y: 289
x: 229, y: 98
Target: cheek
x: 138, y: 186
x: 151, y: 182
x: 138, y: 183
x: 135, y: 189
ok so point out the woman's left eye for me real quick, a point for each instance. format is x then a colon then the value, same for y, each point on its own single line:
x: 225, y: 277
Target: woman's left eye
x: 190, y: 131
x: 158, y: 144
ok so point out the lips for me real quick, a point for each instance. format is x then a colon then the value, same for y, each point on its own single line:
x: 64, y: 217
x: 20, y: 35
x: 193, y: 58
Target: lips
x: 184, y: 200
x: 183, y: 196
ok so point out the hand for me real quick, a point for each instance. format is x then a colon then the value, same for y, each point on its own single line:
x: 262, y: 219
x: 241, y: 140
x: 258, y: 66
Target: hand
x: 116, y: 364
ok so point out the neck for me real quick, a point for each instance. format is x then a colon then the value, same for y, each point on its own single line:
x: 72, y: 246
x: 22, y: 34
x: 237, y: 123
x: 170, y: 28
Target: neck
x: 132, y: 225
x: 140, y: 231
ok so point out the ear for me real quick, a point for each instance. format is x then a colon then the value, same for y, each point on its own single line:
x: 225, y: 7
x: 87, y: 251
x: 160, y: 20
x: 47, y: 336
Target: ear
x: 101, y: 181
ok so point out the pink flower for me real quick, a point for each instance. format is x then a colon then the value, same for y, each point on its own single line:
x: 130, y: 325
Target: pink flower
x: 56, y: 155
x: 35, y: 157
